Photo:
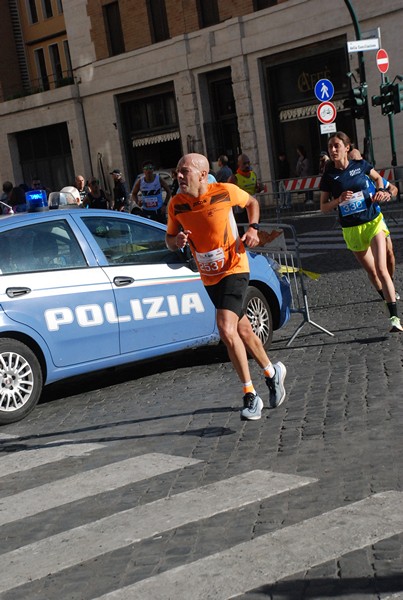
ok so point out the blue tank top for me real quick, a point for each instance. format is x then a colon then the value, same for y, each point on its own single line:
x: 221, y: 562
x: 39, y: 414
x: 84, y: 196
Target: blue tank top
x: 359, y: 210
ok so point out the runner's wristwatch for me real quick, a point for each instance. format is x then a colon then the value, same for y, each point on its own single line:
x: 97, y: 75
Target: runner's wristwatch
x: 254, y: 226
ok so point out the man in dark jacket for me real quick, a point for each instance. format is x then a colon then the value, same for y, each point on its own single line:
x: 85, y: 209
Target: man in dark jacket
x: 120, y: 191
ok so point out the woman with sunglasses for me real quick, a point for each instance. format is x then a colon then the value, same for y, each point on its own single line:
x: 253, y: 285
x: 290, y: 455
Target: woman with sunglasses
x: 96, y: 197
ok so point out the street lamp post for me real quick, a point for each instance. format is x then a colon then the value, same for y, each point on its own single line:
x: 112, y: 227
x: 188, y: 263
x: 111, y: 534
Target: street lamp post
x: 363, y: 82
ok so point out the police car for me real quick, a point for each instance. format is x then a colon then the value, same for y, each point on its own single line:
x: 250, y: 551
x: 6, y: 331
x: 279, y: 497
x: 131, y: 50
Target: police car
x: 84, y: 290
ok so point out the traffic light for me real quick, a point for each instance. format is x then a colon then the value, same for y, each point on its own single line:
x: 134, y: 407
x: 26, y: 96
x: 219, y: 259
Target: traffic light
x: 397, y: 97
x: 386, y: 99
x: 357, y: 102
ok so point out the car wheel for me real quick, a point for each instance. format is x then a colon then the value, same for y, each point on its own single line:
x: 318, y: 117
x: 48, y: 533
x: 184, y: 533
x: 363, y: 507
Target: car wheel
x: 21, y: 380
x: 259, y: 314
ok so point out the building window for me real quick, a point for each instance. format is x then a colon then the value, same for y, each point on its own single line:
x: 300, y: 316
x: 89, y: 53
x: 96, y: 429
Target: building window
x: 208, y: 12
x: 59, y: 6
x: 68, y: 58
x: 32, y: 12
x: 47, y: 9
x: 157, y: 16
x: 56, y: 63
x: 153, y: 113
x: 261, y: 4
x: 43, y: 80
x: 113, y: 26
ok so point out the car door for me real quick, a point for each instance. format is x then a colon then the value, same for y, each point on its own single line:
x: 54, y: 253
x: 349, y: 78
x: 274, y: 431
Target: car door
x: 161, y: 302
x: 47, y: 285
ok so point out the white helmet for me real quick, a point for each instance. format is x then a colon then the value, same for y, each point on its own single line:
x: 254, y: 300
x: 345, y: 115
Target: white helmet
x: 68, y: 197
x: 70, y: 189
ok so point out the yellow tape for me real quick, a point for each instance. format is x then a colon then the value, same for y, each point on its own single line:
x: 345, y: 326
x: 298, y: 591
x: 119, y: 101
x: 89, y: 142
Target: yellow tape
x: 310, y: 274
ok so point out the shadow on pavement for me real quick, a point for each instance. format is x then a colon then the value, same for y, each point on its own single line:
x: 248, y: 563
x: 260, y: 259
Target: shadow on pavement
x: 320, y: 588
x: 81, y: 384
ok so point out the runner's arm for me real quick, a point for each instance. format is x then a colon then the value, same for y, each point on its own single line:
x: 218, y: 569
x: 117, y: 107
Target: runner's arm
x: 381, y: 194
x: 251, y: 236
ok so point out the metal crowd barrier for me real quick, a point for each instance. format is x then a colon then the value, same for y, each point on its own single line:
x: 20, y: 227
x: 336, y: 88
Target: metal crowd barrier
x: 286, y: 198
x: 279, y: 242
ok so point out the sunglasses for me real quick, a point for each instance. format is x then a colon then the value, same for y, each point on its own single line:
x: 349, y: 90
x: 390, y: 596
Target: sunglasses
x: 148, y: 168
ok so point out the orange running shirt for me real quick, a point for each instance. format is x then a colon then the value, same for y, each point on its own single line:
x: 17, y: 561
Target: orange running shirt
x: 214, y: 241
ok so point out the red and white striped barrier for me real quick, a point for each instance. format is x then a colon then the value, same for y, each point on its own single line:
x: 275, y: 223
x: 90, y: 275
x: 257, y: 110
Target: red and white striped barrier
x: 312, y: 183
x: 306, y: 183
x: 387, y: 174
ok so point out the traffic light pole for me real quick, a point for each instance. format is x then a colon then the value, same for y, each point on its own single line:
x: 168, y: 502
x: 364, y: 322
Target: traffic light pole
x: 391, y: 130
x: 392, y: 140
x: 361, y: 63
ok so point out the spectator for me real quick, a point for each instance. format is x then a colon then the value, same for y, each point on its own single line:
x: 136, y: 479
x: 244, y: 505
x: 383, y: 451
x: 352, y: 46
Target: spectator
x: 72, y: 195
x: 18, y: 200
x: 175, y: 183
x: 284, y: 174
x: 96, y: 197
x: 79, y: 184
x: 302, y: 169
x: 323, y: 161
x: 247, y: 180
x: 35, y: 184
x: 5, y: 198
x: 224, y: 172
x: 120, y: 192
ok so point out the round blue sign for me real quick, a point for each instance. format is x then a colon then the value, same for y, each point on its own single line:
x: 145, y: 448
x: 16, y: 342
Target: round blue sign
x: 324, y: 90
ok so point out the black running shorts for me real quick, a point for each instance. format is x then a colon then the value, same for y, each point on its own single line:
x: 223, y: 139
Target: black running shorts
x: 230, y: 293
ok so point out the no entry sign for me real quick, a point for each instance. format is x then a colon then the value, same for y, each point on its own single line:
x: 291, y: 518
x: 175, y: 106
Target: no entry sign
x: 382, y: 60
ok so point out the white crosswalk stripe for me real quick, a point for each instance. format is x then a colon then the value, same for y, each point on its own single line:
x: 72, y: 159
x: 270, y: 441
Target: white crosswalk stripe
x: 276, y: 555
x: 127, y: 527
x: 87, y: 484
x: 52, y: 452
x: 270, y: 557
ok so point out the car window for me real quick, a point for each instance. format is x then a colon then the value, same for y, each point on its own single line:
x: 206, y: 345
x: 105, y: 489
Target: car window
x: 40, y: 247
x: 129, y: 242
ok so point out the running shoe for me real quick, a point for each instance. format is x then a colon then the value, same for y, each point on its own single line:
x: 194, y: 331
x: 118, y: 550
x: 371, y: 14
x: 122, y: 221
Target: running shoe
x: 397, y: 295
x: 395, y: 324
x: 252, y: 407
x: 276, y: 385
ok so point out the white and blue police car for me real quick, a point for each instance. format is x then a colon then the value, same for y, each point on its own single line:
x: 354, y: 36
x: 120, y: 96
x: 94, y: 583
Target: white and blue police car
x: 84, y: 290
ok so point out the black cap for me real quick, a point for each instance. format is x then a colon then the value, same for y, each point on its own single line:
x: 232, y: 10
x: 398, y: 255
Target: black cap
x: 115, y: 172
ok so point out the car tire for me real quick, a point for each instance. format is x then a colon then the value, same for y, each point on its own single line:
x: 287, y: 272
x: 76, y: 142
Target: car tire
x: 257, y: 309
x: 21, y: 380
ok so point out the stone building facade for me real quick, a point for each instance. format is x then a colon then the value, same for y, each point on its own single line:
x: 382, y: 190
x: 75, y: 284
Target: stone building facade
x: 155, y: 79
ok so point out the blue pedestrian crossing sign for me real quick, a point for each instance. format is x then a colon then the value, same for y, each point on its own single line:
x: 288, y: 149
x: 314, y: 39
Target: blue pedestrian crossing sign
x: 324, y: 90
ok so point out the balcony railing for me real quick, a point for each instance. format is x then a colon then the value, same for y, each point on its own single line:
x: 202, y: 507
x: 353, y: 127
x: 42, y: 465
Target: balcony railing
x: 42, y: 84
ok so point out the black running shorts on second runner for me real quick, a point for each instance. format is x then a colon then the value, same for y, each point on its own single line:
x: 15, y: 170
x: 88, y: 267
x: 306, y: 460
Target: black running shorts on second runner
x: 229, y: 293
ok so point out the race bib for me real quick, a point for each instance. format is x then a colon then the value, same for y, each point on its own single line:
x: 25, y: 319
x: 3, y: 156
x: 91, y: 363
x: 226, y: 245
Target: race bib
x: 353, y: 205
x: 212, y: 261
x: 151, y: 202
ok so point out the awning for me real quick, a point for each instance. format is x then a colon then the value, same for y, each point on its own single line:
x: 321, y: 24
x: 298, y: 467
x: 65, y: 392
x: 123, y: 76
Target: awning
x: 156, y: 139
